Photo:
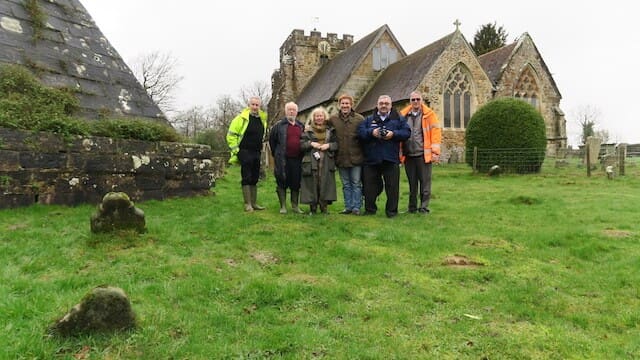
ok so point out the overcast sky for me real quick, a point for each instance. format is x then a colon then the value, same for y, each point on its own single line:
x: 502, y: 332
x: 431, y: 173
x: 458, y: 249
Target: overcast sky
x: 589, y: 47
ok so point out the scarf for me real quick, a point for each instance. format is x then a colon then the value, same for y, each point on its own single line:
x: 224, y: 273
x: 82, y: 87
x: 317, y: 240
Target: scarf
x: 320, y: 131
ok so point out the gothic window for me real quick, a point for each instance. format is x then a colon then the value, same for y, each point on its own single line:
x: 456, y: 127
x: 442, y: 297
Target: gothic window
x: 527, y: 87
x: 457, y: 98
x: 383, y: 56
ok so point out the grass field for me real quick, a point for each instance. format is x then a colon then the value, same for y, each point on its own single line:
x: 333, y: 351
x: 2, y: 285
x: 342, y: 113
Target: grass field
x: 543, y: 266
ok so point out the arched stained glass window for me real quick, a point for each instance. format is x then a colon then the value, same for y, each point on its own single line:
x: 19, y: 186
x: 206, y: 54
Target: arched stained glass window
x: 457, y: 98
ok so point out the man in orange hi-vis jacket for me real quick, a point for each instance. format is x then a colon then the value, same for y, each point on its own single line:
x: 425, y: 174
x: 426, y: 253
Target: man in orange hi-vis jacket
x: 420, y: 151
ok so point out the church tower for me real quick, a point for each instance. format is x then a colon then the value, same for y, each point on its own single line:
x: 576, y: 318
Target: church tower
x: 300, y: 58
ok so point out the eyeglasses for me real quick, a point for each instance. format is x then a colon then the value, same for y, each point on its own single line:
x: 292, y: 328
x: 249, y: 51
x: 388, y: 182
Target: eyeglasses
x: 416, y: 99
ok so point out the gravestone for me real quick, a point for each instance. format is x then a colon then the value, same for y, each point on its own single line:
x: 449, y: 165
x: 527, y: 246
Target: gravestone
x: 495, y: 170
x: 593, y: 149
x: 117, y: 212
x: 103, y: 309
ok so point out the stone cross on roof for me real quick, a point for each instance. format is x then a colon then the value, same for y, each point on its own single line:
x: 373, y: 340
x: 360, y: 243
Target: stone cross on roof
x: 457, y: 23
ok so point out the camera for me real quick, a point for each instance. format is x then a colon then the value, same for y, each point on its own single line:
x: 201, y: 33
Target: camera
x: 382, y: 131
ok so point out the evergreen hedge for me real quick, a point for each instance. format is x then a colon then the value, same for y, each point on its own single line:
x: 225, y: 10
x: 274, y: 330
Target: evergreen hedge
x: 509, y: 133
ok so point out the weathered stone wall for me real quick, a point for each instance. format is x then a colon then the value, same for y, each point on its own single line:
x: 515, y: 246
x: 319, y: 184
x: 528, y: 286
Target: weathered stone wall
x: 364, y: 75
x: 44, y: 168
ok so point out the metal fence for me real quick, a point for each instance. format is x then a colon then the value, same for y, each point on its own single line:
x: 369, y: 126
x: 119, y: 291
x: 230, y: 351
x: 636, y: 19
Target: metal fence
x: 520, y: 161
x: 612, y: 160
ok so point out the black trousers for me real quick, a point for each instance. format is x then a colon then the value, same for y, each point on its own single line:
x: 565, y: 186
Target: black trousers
x: 249, y: 166
x: 375, y: 178
x: 293, y: 174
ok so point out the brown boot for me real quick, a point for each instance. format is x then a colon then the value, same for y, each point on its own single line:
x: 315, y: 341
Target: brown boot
x: 246, y: 194
x: 282, y: 197
x: 295, y: 196
x: 254, y: 198
x: 323, y: 207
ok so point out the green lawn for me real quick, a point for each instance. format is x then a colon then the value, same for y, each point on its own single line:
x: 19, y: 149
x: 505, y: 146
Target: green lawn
x: 557, y: 275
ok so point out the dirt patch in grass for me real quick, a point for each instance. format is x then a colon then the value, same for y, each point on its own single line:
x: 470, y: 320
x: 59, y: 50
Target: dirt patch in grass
x: 305, y: 278
x: 15, y: 227
x: 617, y: 233
x: 487, y: 242
x: 265, y: 258
x: 526, y: 200
x: 231, y: 262
x: 460, y: 261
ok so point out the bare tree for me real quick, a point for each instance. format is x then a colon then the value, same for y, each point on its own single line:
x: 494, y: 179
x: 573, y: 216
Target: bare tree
x: 261, y: 89
x: 214, y: 123
x: 603, y: 135
x: 225, y: 109
x: 192, y: 121
x: 587, y: 117
x: 157, y: 73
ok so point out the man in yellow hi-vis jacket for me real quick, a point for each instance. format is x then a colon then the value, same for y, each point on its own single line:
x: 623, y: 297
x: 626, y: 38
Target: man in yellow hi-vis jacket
x: 245, y: 136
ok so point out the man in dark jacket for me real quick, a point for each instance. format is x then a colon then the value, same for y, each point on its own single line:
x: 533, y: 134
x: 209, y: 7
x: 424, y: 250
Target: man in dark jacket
x: 284, y: 141
x: 381, y: 134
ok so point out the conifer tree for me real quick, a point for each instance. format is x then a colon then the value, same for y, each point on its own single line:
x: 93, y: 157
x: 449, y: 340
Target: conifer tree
x: 488, y: 38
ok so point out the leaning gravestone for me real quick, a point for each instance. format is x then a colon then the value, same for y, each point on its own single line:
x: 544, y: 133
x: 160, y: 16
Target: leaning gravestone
x: 593, y: 146
x: 103, y: 309
x: 117, y: 212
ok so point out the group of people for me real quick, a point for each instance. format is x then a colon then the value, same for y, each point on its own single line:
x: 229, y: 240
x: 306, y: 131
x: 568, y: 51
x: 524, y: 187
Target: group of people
x: 366, y: 152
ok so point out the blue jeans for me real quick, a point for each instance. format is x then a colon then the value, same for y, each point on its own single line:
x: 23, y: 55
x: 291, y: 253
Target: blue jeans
x: 351, y: 187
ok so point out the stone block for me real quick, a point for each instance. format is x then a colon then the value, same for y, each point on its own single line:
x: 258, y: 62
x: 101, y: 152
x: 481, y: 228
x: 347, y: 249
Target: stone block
x: 39, y: 160
x: 16, y: 200
x: 149, y: 182
x: 10, y: 160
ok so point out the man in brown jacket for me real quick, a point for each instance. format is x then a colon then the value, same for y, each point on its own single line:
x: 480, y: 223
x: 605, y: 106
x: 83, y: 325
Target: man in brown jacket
x: 349, y: 157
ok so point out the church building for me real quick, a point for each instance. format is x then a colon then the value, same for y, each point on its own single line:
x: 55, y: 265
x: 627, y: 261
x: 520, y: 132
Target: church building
x: 315, y: 71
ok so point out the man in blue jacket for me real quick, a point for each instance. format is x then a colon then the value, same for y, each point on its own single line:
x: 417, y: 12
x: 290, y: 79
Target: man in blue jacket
x: 381, y: 134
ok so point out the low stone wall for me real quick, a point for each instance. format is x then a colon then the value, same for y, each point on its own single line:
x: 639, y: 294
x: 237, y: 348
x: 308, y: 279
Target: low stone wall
x: 44, y: 168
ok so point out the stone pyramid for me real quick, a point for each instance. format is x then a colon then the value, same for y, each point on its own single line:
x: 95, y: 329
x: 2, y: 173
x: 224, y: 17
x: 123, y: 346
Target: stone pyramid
x: 60, y: 43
